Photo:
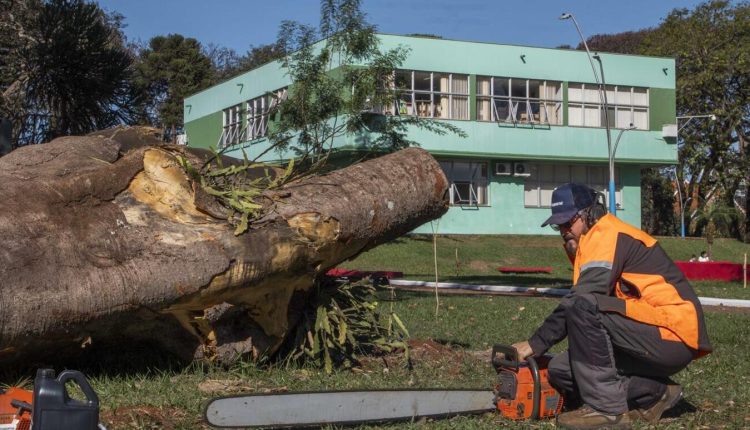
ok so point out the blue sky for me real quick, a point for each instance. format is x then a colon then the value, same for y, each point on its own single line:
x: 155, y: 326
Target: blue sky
x: 240, y: 24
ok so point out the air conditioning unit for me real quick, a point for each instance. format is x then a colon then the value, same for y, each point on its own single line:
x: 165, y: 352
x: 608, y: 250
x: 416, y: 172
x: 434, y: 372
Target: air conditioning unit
x: 503, y: 169
x: 521, y: 169
x: 669, y: 131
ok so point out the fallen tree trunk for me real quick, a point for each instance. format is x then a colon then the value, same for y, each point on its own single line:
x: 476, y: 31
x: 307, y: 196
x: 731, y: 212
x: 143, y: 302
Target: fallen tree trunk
x: 104, y: 238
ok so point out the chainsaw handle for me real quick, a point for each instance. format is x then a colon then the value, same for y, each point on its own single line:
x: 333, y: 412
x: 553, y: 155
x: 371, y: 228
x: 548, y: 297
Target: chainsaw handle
x: 21, y: 405
x: 509, y: 356
x: 537, y: 395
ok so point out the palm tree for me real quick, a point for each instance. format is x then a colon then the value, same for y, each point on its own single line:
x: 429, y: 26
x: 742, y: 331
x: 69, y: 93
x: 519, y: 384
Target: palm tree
x: 715, y: 220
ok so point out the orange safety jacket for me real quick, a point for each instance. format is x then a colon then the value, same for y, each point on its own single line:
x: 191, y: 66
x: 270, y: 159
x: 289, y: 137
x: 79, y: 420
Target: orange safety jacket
x: 639, y: 281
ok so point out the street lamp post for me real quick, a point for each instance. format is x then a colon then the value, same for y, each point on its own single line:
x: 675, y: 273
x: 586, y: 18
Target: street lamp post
x: 605, y: 106
x: 612, y: 198
x: 689, y: 118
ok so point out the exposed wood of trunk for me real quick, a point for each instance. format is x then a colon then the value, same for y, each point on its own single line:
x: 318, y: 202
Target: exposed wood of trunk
x: 97, y: 245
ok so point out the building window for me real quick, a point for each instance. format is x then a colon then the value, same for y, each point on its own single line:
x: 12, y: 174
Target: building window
x: 468, y: 182
x: 515, y: 100
x: 431, y: 94
x: 546, y: 177
x: 627, y: 105
x: 258, y: 112
x: 232, y: 126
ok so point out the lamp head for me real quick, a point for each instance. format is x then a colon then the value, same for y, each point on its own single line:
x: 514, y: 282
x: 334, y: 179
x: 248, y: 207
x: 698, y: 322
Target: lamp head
x: 712, y: 117
x: 565, y: 15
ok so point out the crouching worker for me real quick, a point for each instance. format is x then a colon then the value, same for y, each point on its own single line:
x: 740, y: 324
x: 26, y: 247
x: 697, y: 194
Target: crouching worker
x: 631, y: 319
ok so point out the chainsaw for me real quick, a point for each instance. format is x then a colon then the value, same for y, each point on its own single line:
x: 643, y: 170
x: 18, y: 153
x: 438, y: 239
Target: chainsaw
x: 15, y: 409
x: 49, y: 406
x: 521, y: 392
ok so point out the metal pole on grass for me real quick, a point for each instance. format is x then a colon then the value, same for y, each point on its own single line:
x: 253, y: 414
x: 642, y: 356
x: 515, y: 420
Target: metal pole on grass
x: 682, y: 203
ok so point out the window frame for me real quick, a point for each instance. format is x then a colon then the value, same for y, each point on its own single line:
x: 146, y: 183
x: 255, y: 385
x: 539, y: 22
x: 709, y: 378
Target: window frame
x: 517, y: 105
x: 479, y: 186
x: 546, y: 185
x: 406, y: 99
x: 613, y: 103
x: 231, y: 126
x: 258, y: 112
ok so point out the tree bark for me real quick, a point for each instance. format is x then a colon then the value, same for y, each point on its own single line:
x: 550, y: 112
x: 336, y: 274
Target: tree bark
x: 105, y: 240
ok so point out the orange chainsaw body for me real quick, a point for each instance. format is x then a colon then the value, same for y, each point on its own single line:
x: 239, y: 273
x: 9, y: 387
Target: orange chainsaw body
x: 523, y: 390
x: 12, y: 417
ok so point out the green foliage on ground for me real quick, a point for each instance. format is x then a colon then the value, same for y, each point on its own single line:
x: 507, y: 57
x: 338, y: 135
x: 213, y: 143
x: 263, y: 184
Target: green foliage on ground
x: 340, y: 324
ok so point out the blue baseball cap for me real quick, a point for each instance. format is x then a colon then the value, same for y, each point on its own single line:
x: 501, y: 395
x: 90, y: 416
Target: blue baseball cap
x: 567, y: 200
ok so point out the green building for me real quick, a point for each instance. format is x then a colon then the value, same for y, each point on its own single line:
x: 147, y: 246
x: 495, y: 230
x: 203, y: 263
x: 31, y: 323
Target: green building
x: 533, y: 119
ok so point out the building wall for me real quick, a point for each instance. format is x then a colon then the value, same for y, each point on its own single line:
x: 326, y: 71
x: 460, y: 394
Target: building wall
x: 205, y: 131
x: 506, y: 213
x: 441, y: 55
x: 490, y: 141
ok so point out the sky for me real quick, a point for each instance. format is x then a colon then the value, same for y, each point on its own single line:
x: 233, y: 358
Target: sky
x: 242, y: 24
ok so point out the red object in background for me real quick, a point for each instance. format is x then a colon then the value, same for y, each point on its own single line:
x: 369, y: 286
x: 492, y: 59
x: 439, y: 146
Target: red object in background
x: 359, y: 274
x: 524, y: 269
x: 711, y: 270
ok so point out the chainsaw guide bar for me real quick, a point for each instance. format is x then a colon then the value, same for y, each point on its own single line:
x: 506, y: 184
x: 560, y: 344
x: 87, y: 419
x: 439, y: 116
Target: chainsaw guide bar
x: 309, y: 409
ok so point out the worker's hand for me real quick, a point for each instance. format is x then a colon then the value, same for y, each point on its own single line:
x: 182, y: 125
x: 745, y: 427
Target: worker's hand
x: 524, y: 349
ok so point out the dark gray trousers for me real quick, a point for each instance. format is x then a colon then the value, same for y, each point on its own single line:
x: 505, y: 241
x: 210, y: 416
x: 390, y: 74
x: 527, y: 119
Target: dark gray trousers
x: 614, y: 363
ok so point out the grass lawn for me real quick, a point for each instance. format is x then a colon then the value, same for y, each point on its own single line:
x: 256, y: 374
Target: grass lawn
x: 453, y: 342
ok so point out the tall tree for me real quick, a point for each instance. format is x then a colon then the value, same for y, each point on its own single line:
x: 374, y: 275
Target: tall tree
x: 227, y: 63
x: 340, y: 85
x: 628, y: 42
x: 171, y: 68
x: 712, y: 78
x: 657, y: 202
x: 712, y: 46
x: 259, y: 55
x: 657, y: 192
x: 64, y: 69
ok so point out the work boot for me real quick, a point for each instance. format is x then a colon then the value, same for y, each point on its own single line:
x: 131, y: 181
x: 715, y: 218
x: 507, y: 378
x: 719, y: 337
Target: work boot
x: 586, y: 417
x: 668, y: 400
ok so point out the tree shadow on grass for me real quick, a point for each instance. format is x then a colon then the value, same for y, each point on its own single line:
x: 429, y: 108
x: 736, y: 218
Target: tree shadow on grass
x: 122, y: 345
x: 127, y: 358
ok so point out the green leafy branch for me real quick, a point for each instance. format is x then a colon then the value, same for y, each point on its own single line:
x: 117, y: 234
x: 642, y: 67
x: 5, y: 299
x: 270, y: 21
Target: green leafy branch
x: 239, y: 186
x: 342, y: 322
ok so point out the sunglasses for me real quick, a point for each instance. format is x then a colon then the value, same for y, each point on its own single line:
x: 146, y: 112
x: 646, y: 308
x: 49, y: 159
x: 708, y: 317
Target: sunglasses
x: 567, y: 225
